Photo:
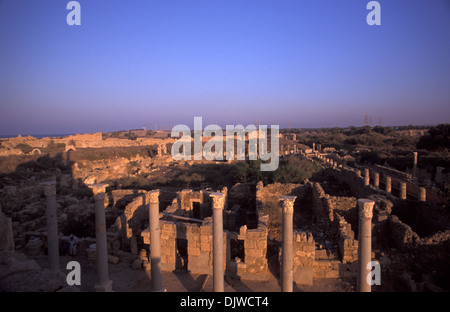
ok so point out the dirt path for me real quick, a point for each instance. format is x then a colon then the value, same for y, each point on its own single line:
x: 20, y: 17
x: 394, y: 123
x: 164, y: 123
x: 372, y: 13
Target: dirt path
x: 126, y: 279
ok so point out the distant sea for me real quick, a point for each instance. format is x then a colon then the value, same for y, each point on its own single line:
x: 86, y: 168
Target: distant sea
x: 38, y: 136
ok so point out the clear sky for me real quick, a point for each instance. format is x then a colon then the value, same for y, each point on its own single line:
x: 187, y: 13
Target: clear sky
x: 306, y: 63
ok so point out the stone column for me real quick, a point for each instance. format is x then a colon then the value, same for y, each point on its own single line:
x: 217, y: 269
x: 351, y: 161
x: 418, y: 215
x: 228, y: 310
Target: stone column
x: 414, y: 162
x: 52, y: 225
x: 155, y: 242
x: 376, y: 179
x: 388, y: 184
x: 402, y: 186
x: 218, y: 203
x: 104, y: 284
x: 365, y: 207
x: 314, y: 147
x: 422, y: 194
x: 287, y: 255
x: 366, y: 177
x: 358, y: 173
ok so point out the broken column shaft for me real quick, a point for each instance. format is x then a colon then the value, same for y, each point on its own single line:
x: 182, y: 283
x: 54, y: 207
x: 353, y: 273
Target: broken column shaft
x: 388, y: 184
x: 366, y: 177
x: 155, y: 242
x: 402, y: 187
x: 422, y: 194
x: 287, y: 255
x: 104, y: 284
x: 218, y: 203
x: 376, y: 179
x: 52, y: 225
x: 365, y: 207
x: 414, y: 161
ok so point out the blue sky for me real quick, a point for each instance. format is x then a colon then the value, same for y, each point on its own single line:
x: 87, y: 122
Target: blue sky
x: 306, y: 63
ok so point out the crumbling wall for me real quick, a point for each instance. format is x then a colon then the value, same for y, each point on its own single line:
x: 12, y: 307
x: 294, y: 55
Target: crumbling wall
x: 319, y: 206
x: 117, y: 195
x: 198, y: 242
x: 185, y: 203
x: 255, y: 266
x: 200, y: 247
x: 304, y: 257
x: 130, y: 224
x: 326, y: 205
x: 353, y: 180
x: 333, y: 209
x: 401, y: 233
x: 348, y: 245
x: 186, y: 199
x: 273, y: 192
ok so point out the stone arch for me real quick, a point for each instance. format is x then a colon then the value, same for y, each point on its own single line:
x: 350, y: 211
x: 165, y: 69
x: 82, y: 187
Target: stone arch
x: 70, y: 147
x: 35, y: 150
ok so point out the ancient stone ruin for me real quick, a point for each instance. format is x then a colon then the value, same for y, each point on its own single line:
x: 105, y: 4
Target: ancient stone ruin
x: 297, y: 234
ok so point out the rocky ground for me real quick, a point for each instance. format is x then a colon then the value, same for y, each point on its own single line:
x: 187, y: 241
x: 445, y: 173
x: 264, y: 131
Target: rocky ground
x: 19, y: 272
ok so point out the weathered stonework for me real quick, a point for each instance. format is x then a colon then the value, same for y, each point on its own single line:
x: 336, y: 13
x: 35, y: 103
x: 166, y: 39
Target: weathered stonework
x: 304, y: 256
x: 255, y: 266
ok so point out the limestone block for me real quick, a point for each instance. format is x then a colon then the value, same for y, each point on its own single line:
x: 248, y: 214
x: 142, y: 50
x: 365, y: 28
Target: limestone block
x: 194, y: 251
x: 205, y: 246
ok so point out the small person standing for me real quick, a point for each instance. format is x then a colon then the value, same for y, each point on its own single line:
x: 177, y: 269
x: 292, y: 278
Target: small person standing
x: 73, y: 241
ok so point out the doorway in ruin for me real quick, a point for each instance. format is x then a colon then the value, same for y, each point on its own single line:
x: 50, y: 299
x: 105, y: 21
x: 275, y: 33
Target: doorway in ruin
x: 237, y: 249
x: 182, y: 254
x: 196, y: 210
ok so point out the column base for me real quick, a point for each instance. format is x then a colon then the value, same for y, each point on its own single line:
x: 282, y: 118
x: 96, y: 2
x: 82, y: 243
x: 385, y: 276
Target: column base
x: 107, y: 287
x: 161, y: 290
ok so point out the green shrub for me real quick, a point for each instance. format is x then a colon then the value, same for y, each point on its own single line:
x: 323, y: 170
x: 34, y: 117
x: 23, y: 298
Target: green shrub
x: 24, y: 147
x: 438, y: 138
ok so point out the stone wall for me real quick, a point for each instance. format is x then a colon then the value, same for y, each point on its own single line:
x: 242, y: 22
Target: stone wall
x: 254, y: 266
x: 401, y: 234
x: 353, y: 180
x: 188, y: 246
x: 332, y: 209
x: 186, y: 199
x: 319, y: 206
x: 92, y: 140
x: 348, y: 245
x: 131, y: 223
x: 97, y: 171
x: 116, y: 196
x: 273, y: 192
x: 327, y: 205
x: 304, y: 257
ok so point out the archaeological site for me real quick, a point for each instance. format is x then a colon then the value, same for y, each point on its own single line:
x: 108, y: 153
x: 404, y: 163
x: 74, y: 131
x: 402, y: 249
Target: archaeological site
x: 328, y: 219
